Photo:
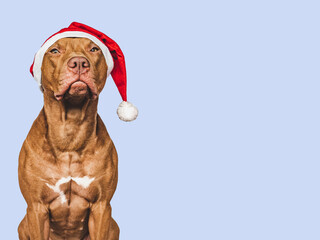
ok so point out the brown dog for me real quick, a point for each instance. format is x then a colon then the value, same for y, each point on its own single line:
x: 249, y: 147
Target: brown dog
x: 68, y: 163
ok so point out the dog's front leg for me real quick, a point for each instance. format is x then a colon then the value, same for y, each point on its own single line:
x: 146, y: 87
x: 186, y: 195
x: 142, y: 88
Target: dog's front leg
x: 38, y: 221
x: 99, y: 220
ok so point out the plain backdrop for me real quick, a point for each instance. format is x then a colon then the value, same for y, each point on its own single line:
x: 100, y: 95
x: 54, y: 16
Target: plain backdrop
x: 226, y: 146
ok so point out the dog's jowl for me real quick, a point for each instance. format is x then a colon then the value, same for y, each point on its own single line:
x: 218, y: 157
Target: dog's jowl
x: 68, y: 165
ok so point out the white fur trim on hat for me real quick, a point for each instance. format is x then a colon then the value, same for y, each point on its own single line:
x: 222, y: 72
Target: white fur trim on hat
x: 40, y: 54
x: 127, y: 111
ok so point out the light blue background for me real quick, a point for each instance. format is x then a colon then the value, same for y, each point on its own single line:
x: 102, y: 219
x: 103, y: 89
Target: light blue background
x: 226, y: 146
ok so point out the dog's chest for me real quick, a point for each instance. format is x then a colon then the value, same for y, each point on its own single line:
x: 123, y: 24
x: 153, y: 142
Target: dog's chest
x: 69, y: 180
x: 66, y: 187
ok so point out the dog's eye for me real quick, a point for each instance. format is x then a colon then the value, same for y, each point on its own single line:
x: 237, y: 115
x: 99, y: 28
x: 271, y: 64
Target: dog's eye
x: 54, y: 51
x: 94, y: 49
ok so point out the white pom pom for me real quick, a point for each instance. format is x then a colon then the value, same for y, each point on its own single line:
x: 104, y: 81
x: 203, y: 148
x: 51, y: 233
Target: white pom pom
x: 127, y: 111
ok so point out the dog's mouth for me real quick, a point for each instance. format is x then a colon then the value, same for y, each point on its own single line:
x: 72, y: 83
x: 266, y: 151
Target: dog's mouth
x: 77, y: 89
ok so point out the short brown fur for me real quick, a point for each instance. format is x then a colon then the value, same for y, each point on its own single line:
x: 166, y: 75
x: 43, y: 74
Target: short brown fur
x: 68, y: 138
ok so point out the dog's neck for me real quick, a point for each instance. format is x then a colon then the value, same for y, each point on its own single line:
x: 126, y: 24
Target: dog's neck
x: 70, y: 125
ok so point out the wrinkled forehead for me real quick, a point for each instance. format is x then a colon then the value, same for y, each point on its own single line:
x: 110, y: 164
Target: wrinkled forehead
x: 72, y: 42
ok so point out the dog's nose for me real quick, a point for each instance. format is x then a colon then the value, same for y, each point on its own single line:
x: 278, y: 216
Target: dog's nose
x: 79, y: 65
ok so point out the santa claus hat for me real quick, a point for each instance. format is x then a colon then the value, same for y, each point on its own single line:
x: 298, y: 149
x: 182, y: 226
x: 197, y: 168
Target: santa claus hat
x: 113, y: 56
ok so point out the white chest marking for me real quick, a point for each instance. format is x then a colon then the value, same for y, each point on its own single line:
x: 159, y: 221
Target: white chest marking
x: 81, y: 181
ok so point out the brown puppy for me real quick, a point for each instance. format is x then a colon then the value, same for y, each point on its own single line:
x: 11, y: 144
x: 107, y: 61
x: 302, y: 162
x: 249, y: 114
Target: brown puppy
x: 68, y: 163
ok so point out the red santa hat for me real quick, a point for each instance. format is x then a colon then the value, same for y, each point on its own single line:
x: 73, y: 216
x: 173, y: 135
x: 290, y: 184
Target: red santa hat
x: 113, y: 56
